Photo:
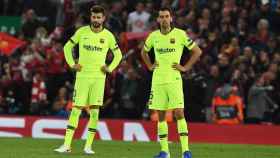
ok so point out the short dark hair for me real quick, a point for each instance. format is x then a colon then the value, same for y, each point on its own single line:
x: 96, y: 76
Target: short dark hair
x: 165, y: 9
x: 97, y: 9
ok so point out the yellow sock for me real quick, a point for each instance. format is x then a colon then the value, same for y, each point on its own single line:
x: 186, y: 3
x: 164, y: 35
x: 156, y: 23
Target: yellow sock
x: 92, y: 125
x: 163, y: 136
x: 72, y: 124
x: 183, y: 132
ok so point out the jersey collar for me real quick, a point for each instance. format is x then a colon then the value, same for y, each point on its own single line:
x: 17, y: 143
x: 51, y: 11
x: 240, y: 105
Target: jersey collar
x: 95, y: 32
x: 172, y: 27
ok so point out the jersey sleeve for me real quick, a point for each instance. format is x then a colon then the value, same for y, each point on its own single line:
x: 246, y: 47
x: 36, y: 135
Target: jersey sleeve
x: 188, y: 42
x: 69, y: 46
x: 148, y: 45
x: 113, y: 45
x: 76, y: 37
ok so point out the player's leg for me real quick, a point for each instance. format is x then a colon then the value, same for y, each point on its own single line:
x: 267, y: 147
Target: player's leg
x: 70, y: 130
x: 176, y: 102
x: 96, y: 96
x: 92, y: 128
x: 182, y: 129
x: 163, y: 131
x: 176, y: 98
x: 80, y: 98
x: 72, y: 125
x: 158, y: 102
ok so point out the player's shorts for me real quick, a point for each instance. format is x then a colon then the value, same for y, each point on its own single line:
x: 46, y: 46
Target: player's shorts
x: 167, y: 96
x: 88, y: 91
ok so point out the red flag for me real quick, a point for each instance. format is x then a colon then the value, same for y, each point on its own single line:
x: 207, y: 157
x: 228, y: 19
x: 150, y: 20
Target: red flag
x: 8, y: 43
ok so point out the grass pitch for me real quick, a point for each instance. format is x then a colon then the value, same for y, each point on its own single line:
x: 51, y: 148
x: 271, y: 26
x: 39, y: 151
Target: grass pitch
x: 43, y: 148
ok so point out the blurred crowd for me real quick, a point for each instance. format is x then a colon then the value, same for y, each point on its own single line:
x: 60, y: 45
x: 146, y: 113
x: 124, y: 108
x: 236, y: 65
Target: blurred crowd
x: 241, y: 56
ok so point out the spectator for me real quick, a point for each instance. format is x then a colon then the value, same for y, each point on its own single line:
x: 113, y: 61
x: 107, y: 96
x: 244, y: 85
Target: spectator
x: 60, y: 103
x: 138, y: 20
x: 29, y: 24
x: 225, y: 68
x: 39, y: 95
x: 227, y: 106
x: 12, y: 103
x: 55, y: 64
x: 127, y: 83
x: 115, y: 20
x: 212, y: 83
x: 3, y: 105
x: 258, y: 101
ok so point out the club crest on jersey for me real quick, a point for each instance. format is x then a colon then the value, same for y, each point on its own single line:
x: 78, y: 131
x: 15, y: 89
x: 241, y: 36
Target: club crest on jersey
x: 172, y: 40
x: 102, y: 40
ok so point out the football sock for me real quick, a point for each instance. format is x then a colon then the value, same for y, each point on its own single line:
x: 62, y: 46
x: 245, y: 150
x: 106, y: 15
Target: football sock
x: 92, y: 126
x: 183, y: 133
x: 163, y: 135
x: 72, y: 125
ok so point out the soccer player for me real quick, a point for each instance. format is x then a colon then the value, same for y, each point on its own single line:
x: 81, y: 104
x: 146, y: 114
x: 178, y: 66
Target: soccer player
x: 167, y: 91
x: 94, y: 41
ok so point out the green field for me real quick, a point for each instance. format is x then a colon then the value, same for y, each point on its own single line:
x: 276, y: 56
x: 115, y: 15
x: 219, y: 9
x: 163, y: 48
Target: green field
x: 43, y: 148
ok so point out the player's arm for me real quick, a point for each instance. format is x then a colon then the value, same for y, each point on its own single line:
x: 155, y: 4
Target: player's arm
x: 145, y: 56
x: 70, y: 44
x: 117, y: 56
x: 195, y: 54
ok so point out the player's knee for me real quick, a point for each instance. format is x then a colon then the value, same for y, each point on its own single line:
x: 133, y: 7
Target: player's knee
x: 161, y: 116
x: 74, y: 118
x: 179, y: 114
x: 75, y: 112
x: 94, y: 113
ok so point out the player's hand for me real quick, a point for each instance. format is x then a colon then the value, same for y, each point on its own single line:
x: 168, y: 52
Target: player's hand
x: 152, y: 67
x: 77, y: 67
x: 180, y: 68
x: 105, y: 69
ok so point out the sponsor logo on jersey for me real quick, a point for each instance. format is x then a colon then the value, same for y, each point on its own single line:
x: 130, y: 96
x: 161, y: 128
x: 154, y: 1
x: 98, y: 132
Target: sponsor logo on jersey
x: 172, y: 40
x: 102, y: 40
x: 165, y: 50
x: 92, y: 48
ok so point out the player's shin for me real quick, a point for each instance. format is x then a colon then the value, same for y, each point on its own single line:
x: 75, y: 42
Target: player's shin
x: 72, y: 125
x: 163, y: 136
x: 92, y: 126
x: 183, y: 132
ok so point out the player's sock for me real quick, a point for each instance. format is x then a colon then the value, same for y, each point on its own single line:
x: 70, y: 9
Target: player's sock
x: 72, y: 125
x: 183, y: 132
x: 163, y: 136
x: 92, y: 125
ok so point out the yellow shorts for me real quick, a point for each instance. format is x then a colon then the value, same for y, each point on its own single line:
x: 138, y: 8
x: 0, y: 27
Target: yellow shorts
x: 167, y: 96
x: 88, y: 91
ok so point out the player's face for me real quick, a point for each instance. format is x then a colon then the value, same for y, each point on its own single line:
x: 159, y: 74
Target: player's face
x: 97, y: 19
x: 164, y: 18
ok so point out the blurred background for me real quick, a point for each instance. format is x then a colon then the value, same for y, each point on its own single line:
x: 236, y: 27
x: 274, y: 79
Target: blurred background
x: 236, y: 81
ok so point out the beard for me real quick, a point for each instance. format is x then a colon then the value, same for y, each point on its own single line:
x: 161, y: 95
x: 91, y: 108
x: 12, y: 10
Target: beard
x: 96, y: 24
x: 165, y: 24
